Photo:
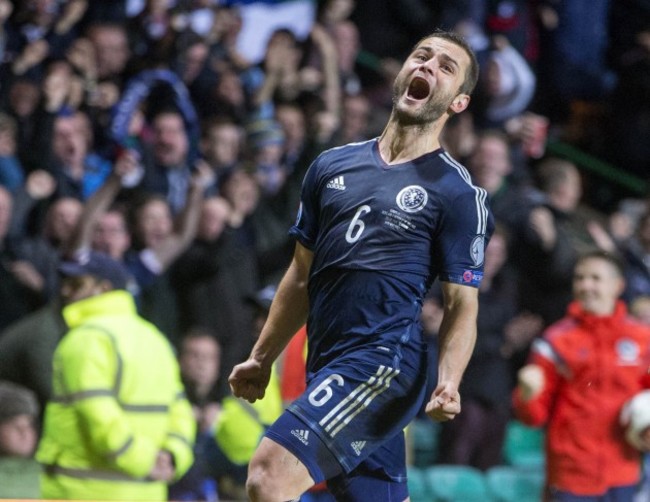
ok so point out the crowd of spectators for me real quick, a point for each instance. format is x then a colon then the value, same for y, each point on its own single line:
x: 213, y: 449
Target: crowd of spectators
x: 173, y: 135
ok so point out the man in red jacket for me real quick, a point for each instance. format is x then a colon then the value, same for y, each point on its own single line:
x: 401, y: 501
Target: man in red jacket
x: 580, y: 374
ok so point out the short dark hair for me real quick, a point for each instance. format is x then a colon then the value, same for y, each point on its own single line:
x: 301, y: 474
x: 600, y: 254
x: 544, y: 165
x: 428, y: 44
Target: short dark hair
x: 471, y: 74
x: 598, y: 254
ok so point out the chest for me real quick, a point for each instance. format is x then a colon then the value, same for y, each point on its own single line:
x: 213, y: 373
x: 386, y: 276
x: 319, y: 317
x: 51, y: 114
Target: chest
x: 395, y: 202
x: 607, y: 362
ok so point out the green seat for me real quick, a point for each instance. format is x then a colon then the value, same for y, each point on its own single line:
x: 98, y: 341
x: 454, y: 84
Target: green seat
x: 423, y: 439
x: 417, y: 485
x: 512, y: 484
x: 19, y: 478
x: 523, y: 446
x: 457, y: 483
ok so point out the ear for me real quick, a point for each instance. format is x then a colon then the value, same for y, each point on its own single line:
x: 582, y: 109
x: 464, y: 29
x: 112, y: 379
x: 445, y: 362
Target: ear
x: 460, y: 103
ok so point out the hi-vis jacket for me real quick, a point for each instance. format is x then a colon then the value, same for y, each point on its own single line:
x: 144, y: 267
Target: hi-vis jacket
x: 592, y: 365
x: 117, y: 401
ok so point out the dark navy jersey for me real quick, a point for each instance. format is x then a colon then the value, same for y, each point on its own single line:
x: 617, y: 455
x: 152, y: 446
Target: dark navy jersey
x: 380, y: 235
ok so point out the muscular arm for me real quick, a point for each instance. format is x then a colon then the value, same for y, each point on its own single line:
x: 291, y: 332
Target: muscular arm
x: 288, y: 313
x: 457, y: 338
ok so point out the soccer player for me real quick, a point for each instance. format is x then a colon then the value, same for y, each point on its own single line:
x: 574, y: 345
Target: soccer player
x: 378, y: 222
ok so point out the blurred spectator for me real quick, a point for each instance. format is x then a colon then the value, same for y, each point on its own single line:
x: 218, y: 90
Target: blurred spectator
x: 595, y: 348
x: 243, y: 194
x: 200, y: 359
x: 229, y: 97
x: 507, y: 82
x: 278, y: 203
x: 6, y: 8
x: 477, y: 436
x: 158, y: 241
x: 152, y: 34
x: 12, y: 174
x: 345, y: 36
x: 572, y: 64
x: 17, y: 297
x: 222, y: 145
x: 43, y: 28
x: 102, y: 59
x: 18, y: 437
x: 636, y: 256
x: 169, y: 173
x: 491, y: 165
x: 212, y: 279
x: 39, y: 254
x: 355, y: 120
x: 292, y: 120
x: 93, y: 422
x: 77, y: 169
x: 27, y: 347
x: 626, y: 123
x: 110, y: 46
x: 552, y: 232
x: 20, y: 100
x: 191, y: 63
x: 18, y: 412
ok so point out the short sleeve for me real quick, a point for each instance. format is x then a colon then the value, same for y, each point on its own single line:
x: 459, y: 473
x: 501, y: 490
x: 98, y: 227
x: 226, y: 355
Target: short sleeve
x: 305, y: 230
x: 465, y: 233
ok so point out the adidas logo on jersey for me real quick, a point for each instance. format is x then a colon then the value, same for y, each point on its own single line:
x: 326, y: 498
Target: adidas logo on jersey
x: 303, y: 436
x: 357, y: 446
x: 336, y: 183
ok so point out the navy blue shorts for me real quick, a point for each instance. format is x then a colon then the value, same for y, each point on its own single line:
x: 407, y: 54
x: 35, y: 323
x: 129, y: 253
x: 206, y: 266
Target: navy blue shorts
x: 348, y: 424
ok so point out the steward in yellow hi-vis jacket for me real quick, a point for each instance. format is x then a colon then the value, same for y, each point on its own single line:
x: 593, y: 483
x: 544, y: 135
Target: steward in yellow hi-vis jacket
x: 118, y: 426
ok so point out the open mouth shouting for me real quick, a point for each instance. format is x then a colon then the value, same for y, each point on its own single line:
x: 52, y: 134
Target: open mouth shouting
x: 418, y: 89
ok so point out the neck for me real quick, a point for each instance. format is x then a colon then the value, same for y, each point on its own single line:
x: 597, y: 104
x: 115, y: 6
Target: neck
x: 402, y: 143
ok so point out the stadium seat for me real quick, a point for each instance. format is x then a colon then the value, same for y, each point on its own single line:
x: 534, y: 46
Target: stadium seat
x: 512, y: 484
x: 417, y: 484
x: 424, y: 435
x: 524, y: 446
x: 456, y: 483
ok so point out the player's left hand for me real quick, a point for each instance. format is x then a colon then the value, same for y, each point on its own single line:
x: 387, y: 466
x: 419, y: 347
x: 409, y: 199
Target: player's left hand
x: 444, y: 403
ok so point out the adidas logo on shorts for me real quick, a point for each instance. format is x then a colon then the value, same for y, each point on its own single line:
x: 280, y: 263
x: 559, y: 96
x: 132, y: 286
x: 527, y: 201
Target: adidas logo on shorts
x: 336, y: 183
x: 357, y: 446
x: 303, y: 436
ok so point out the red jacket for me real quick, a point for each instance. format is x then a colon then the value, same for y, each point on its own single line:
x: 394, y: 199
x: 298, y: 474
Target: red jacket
x: 592, y: 366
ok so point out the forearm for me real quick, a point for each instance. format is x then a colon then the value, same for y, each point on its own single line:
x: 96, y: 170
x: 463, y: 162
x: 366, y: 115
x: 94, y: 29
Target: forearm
x: 287, y: 315
x: 457, y: 338
x: 177, y: 243
x: 98, y: 203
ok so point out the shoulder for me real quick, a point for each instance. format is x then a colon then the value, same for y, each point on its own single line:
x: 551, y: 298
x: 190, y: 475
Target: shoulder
x: 349, y: 152
x: 455, y: 180
x: 637, y: 326
x: 563, y: 333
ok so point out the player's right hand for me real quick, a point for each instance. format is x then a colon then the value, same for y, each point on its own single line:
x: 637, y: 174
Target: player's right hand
x: 249, y: 380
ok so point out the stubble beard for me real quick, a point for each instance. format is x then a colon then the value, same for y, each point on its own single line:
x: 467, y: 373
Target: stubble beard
x: 427, y: 114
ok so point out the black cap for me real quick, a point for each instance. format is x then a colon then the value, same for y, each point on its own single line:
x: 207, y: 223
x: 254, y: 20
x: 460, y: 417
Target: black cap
x: 98, y: 265
x: 16, y: 400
